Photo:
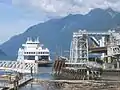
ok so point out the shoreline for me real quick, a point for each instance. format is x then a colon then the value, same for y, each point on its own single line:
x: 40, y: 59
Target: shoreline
x: 79, y: 84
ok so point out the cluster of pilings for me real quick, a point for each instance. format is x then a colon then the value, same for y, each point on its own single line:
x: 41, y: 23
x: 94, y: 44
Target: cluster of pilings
x: 58, y: 65
x: 63, y: 71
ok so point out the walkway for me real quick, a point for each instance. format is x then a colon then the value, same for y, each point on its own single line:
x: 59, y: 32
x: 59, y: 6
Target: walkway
x: 18, y: 66
x: 21, y: 82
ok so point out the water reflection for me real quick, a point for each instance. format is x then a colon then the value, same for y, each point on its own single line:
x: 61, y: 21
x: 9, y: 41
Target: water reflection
x: 32, y: 86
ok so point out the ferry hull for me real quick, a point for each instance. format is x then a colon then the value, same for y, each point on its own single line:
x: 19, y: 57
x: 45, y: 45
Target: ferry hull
x: 44, y: 63
x: 40, y: 63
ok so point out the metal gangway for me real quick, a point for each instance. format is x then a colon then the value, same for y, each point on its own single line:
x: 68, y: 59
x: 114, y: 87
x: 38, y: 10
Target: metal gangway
x: 19, y: 66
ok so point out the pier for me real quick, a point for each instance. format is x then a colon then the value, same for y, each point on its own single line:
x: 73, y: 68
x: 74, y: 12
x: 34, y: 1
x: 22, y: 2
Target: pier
x: 80, y: 65
x: 15, y: 84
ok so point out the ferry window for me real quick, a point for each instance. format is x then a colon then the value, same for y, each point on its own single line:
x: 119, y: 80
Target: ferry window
x: 33, y: 52
x: 30, y: 57
x: 44, y: 57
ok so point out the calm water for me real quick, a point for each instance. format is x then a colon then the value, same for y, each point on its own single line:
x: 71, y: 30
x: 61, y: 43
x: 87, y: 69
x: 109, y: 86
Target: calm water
x: 32, y: 86
x: 44, y: 73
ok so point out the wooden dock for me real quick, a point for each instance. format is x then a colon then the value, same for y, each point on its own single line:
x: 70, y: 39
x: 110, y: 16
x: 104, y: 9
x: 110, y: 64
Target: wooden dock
x: 21, y: 82
x: 15, y: 85
x: 61, y: 70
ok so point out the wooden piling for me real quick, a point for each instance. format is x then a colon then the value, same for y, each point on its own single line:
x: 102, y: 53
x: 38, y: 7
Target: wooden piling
x: 65, y: 71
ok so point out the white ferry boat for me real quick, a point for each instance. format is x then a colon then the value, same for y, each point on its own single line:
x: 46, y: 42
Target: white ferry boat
x: 33, y: 51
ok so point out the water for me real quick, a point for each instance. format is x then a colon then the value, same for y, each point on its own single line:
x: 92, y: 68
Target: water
x: 45, y: 73
x: 32, y: 86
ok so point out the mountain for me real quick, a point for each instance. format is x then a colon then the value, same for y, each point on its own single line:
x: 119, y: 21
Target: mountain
x: 2, y: 53
x: 3, y: 56
x: 56, y: 34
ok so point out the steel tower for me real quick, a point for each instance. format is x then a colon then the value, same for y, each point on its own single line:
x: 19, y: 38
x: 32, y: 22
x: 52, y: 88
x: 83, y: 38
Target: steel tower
x: 79, y: 47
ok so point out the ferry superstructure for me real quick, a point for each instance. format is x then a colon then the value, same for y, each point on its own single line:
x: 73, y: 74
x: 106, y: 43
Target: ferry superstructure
x: 33, y: 51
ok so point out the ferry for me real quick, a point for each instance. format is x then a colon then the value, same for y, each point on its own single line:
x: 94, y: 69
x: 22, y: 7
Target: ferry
x: 33, y: 51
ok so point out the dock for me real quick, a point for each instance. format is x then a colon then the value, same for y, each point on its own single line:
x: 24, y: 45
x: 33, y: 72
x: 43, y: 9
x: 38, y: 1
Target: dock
x: 15, y: 85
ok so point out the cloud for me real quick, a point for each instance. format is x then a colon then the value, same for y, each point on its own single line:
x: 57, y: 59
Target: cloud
x: 65, y: 7
x: 24, y: 13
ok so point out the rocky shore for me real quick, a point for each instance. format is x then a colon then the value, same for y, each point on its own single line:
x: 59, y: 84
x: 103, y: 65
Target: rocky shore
x: 78, y: 85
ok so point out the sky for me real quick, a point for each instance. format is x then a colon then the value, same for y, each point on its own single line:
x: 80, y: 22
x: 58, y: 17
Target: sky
x: 17, y: 15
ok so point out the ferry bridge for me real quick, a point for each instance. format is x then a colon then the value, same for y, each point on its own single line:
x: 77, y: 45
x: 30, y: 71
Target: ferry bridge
x: 21, y: 67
